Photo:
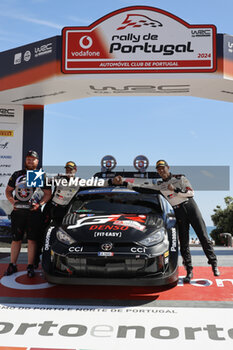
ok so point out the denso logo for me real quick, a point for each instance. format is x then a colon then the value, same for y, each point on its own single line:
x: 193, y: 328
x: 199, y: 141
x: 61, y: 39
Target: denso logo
x: 108, y: 227
x: 43, y: 50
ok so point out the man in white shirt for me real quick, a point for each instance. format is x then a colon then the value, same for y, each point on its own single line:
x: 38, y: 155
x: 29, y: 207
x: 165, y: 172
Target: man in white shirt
x: 179, y: 193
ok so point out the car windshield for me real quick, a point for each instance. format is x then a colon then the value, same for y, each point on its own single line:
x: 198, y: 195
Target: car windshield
x: 117, y: 203
x: 2, y: 212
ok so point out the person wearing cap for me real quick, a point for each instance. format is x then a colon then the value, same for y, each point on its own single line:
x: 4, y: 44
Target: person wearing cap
x: 57, y: 206
x: 179, y: 193
x: 62, y: 195
x: 26, y: 214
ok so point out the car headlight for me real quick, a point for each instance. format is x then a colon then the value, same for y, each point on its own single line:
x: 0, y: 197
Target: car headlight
x: 63, y: 237
x: 154, y: 238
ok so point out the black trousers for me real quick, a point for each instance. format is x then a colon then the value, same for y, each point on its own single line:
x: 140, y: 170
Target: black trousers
x: 50, y: 212
x: 188, y: 213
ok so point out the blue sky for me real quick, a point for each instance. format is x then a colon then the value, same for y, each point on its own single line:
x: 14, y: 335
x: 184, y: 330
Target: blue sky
x: 182, y: 130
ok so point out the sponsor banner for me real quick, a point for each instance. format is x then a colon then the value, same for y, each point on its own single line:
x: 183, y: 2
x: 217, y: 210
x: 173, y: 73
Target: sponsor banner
x: 103, y: 328
x: 11, y: 143
x: 228, y: 61
x: 28, y: 56
x: 204, y: 286
x: 139, y: 39
x: 6, y: 133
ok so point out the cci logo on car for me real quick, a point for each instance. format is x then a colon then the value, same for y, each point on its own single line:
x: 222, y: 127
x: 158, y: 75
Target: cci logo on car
x: 75, y: 249
x: 138, y: 250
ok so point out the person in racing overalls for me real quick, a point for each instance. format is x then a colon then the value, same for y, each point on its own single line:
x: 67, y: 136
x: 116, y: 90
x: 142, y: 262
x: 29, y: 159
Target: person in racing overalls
x: 179, y: 193
x: 62, y: 195
x: 26, y: 215
x: 57, y: 206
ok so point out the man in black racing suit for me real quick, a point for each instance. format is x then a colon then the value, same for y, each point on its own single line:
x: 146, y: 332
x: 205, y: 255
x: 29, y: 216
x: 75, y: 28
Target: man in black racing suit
x: 179, y: 193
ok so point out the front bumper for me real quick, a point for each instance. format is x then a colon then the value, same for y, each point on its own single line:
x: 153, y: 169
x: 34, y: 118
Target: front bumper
x: 168, y: 278
x: 120, y: 269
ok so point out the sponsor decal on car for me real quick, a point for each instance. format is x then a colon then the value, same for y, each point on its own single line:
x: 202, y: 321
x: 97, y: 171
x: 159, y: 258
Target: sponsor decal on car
x: 75, y: 249
x: 138, y: 250
x: 103, y: 219
x: 174, y: 240
x: 130, y: 223
x: 139, y: 218
x: 108, y: 227
x: 47, y: 238
x: 94, y: 220
x: 105, y: 254
x: 107, y: 234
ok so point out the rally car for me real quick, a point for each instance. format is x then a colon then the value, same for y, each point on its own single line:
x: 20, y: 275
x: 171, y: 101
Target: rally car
x: 5, y: 227
x: 113, y: 236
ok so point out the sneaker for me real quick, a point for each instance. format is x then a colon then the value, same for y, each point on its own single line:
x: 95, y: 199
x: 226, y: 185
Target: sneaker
x: 188, y: 277
x: 30, y: 271
x: 12, y: 268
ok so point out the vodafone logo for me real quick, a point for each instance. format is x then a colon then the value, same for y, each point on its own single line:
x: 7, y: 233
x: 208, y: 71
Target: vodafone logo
x: 85, y: 42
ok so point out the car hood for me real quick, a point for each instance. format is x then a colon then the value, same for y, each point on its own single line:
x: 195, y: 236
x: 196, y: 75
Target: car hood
x: 128, y: 227
x: 4, y: 221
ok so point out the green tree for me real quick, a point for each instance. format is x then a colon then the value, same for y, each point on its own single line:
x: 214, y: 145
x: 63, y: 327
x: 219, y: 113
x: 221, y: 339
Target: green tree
x: 223, y: 220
